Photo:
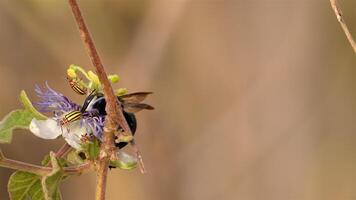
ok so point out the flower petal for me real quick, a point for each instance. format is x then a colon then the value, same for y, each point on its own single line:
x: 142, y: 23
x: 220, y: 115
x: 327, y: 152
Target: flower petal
x: 126, y: 158
x: 46, y: 129
x: 73, y: 134
x: 50, y: 101
x: 125, y: 161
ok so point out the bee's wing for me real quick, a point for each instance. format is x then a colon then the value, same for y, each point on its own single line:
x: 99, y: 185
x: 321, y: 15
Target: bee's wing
x: 135, y: 107
x: 136, y: 97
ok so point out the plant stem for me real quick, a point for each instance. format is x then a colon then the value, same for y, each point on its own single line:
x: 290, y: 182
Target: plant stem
x: 102, y: 179
x: 63, y: 151
x: 113, y: 109
x: 339, y: 16
x: 78, y: 169
x: 22, y: 166
x: 113, y: 106
x: 40, y: 170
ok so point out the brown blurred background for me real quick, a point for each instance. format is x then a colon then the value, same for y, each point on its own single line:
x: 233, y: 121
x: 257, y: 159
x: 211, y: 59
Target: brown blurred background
x: 255, y: 100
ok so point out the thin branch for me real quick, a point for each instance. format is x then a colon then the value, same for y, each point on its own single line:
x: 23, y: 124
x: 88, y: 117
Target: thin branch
x: 113, y: 106
x: 79, y: 169
x: 113, y: 109
x: 63, y: 151
x: 41, y: 170
x: 22, y: 166
x: 339, y: 16
x: 102, y: 179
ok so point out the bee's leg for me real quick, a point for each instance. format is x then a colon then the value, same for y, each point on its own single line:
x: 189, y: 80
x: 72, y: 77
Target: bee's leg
x: 138, y: 156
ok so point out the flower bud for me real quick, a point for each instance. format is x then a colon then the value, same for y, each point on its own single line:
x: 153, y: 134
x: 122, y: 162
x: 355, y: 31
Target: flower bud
x: 114, y: 78
x: 71, y: 73
x: 121, y: 91
x: 94, y: 79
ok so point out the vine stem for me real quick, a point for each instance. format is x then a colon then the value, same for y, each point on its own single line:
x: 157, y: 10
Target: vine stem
x: 115, y: 117
x: 335, y: 6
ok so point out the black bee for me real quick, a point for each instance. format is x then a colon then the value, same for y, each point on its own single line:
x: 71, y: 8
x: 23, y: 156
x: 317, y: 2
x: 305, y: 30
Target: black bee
x: 131, y: 103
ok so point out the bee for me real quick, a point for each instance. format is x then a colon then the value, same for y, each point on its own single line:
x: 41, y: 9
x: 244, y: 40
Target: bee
x: 131, y: 103
x: 76, y: 86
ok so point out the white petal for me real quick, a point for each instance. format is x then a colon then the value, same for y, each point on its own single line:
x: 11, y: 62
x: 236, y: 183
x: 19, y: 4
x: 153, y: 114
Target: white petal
x: 73, y: 133
x: 126, y: 158
x: 46, y: 129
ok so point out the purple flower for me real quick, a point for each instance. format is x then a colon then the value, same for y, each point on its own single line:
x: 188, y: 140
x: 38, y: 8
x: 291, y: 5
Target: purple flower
x: 95, y: 122
x: 90, y: 121
x: 52, y: 101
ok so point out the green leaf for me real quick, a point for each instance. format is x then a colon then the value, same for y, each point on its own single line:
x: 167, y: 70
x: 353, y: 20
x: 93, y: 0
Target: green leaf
x: 91, y: 149
x: 50, y: 183
x: 28, y: 106
x: 13, y: 120
x: 63, y: 162
x: 94, y: 149
x: 46, y: 160
x: 24, y: 185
